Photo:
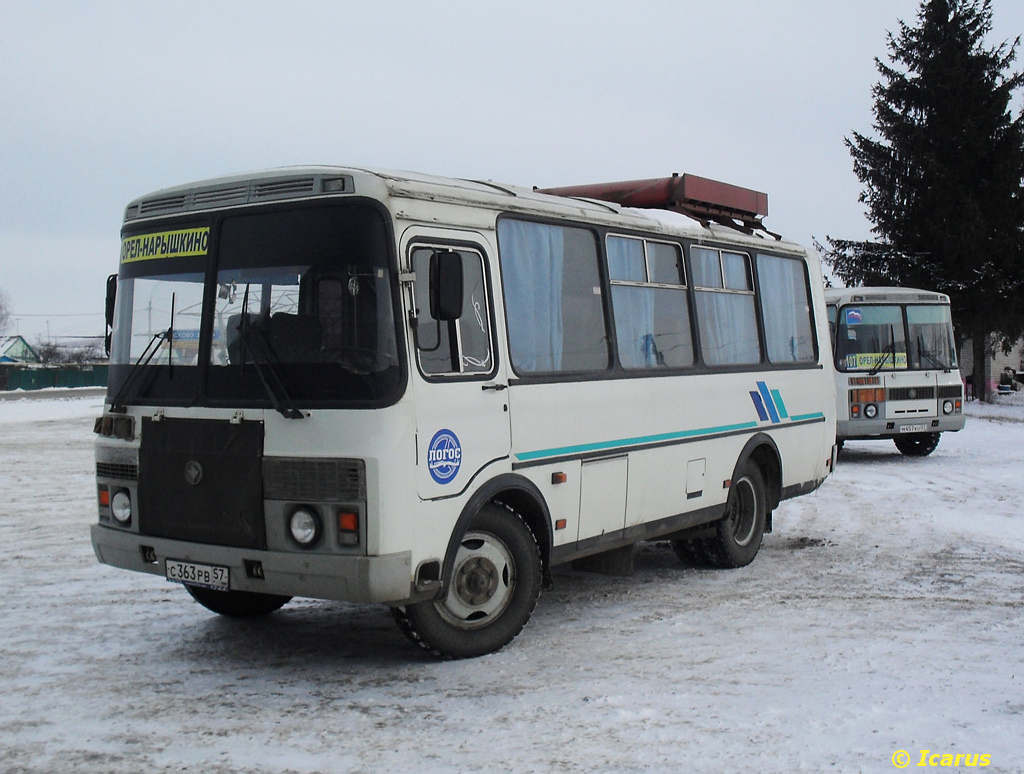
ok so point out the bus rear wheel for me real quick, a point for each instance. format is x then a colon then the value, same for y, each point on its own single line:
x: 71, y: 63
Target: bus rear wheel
x: 493, y: 589
x: 739, y: 534
x: 237, y: 604
x: 917, y: 444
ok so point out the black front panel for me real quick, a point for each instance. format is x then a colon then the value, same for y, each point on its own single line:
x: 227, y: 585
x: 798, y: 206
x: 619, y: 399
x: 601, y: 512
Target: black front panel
x: 201, y: 480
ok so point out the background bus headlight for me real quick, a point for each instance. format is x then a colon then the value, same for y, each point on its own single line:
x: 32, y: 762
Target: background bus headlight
x: 121, y: 507
x: 305, y: 527
x: 947, y: 407
x: 871, y: 411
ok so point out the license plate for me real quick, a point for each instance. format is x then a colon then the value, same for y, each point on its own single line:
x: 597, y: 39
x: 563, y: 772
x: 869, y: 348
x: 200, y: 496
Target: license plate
x: 209, y: 576
x: 914, y: 428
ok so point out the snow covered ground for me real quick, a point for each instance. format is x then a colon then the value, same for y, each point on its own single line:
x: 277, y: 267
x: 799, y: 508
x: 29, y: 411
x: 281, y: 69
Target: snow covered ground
x: 883, y: 614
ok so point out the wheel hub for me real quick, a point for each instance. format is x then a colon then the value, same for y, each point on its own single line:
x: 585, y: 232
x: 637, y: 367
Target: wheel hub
x: 476, y: 580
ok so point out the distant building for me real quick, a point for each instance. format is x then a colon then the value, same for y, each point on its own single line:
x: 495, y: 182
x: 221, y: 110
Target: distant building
x: 994, y: 363
x: 14, y: 349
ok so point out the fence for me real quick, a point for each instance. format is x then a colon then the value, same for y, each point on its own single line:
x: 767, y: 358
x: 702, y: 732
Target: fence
x: 22, y: 378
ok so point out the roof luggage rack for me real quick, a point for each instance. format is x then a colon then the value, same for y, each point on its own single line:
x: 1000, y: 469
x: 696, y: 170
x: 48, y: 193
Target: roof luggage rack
x: 700, y: 198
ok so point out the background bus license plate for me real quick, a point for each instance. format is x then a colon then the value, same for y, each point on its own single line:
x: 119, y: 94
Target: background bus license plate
x: 206, y: 575
x: 913, y: 428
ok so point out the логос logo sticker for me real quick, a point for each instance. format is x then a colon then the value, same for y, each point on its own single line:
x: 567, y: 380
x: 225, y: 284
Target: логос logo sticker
x: 444, y: 456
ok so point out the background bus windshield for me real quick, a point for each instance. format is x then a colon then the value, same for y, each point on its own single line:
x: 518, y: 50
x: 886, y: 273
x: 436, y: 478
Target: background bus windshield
x: 877, y: 337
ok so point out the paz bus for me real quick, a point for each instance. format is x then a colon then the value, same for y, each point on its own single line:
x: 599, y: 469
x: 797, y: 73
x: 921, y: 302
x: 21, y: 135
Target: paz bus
x: 896, y: 367
x: 394, y: 388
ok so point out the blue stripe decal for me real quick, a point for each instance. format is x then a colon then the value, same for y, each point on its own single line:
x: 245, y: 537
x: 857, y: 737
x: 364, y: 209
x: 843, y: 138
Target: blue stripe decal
x: 805, y: 417
x: 768, y: 402
x: 638, y: 441
x: 777, y: 397
x: 759, y: 405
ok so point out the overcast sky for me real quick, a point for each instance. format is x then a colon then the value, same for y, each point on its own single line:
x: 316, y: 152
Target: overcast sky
x: 102, y: 102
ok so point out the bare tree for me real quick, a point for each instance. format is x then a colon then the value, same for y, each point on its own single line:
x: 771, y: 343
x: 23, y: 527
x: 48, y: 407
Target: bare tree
x: 51, y: 352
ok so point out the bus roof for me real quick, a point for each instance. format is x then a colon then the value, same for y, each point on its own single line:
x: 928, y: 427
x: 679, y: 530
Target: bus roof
x: 890, y: 295
x: 303, y: 182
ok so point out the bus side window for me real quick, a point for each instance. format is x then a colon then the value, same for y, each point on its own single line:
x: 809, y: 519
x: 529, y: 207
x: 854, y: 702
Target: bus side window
x: 650, y: 305
x: 553, y: 302
x: 461, y: 346
x: 724, y: 295
x: 785, y: 309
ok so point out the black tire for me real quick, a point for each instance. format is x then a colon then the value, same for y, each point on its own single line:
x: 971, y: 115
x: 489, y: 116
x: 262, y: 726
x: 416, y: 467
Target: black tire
x: 690, y: 552
x: 917, y: 444
x: 739, y: 534
x: 495, y: 582
x: 237, y: 604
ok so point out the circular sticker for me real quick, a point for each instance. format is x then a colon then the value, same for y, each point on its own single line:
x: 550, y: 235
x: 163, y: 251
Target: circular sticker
x: 444, y: 456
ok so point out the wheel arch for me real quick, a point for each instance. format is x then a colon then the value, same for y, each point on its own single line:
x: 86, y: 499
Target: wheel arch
x: 516, y: 493
x: 762, y: 450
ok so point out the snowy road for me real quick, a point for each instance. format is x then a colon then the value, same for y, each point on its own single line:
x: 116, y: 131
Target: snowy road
x: 885, y: 613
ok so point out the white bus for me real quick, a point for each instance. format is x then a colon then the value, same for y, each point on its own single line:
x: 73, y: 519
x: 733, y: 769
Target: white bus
x: 394, y: 388
x: 896, y: 368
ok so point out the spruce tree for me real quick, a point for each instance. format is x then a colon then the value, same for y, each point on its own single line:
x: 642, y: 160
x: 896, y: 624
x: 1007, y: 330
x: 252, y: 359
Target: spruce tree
x: 943, y: 180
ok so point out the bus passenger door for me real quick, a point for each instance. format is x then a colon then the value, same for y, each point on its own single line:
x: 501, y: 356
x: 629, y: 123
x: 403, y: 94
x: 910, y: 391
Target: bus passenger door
x: 462, y: 419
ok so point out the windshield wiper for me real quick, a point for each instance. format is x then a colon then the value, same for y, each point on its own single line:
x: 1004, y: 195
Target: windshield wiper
x: 922, y: 352
x: 254, y: 343
x: 889, y: 350
x: 116, y: 405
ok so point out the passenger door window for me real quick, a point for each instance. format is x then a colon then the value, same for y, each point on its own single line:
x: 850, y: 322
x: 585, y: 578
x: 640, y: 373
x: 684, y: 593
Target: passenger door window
x: 461, y: 346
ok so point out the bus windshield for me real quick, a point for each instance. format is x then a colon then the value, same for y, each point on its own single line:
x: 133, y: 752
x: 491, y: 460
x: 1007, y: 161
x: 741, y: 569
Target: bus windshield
x: 931, y: 337
x: 301, y: 311
x: 886, y: 337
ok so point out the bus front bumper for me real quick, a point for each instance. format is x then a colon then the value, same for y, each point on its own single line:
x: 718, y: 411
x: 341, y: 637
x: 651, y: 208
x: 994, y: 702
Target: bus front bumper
x: 385, y: 578
x: 868, y: 429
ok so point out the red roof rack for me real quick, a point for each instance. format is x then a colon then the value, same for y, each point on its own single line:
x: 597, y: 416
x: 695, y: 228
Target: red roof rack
x: 697, y: 197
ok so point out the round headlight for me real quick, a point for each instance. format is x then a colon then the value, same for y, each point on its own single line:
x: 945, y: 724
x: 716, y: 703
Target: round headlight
x: 871, y: 411
x: 121, y: 506
x: 947, y: 407
x: 305, y: 527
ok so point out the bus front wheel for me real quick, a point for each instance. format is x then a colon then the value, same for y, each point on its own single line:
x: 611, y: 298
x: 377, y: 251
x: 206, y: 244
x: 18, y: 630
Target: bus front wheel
x: 237, y: 604
x: 495, y: 582
x: 917, y: 444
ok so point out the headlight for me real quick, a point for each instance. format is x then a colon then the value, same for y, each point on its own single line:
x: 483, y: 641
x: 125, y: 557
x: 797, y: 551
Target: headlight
x: 305, y: 527
x: 871, y: 411
x: 121, y: 506
x: 947, y: 407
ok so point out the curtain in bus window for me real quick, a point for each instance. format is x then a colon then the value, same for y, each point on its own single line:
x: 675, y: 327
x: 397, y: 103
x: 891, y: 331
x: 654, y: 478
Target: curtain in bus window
x: 665, y: 341
x: 786, y: 309
x: 728, y: 328
x: 626, y: 260
x: 531, y: 257
x: 633, y: 307
x: 725, y: 318
x: 707, y: 269
x: 552, y: 297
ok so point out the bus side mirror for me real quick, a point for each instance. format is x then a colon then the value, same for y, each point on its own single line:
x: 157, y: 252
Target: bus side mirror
x: 445, y: 285
x: 109, y: 312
